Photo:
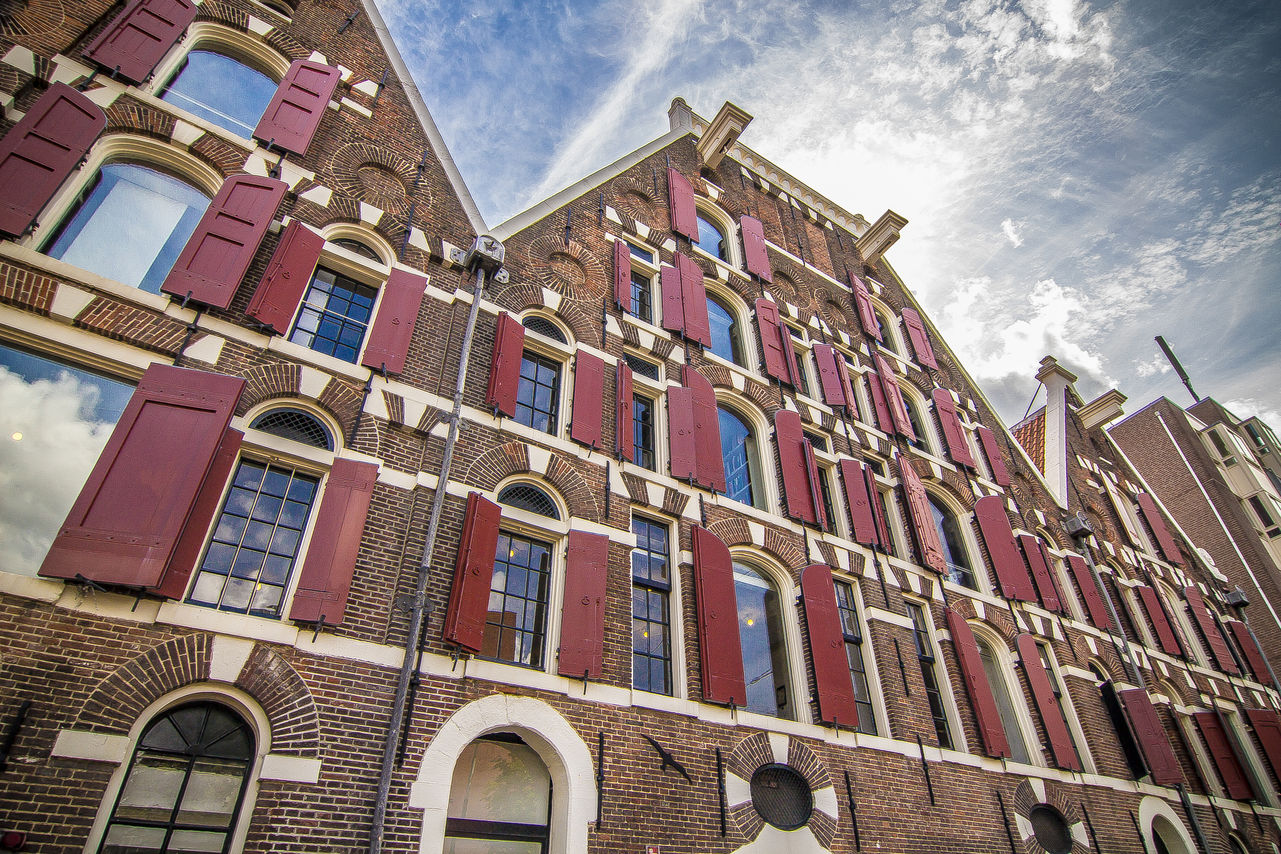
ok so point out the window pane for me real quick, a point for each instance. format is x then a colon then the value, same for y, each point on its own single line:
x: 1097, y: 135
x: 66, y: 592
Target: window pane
x: 515, y: 626
x: 500, y: 781
x: 737, y: 449
x: 760, y: 630
x: 651, y: 644
x: 725, y: 335
x: 335, y: 315
x: 958, y: 560
x: 221, y: 91
x: 1004, y: 703
x: 538, y: 395
x: 490, y: 846
x: 711, y: 239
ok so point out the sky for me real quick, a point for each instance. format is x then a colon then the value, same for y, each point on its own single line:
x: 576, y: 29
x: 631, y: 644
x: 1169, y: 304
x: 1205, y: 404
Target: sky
x: 1078, y: 177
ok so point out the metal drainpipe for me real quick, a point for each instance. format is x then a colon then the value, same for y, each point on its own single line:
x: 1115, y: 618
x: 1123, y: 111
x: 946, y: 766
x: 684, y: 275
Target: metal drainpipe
x: 418, y: 608
x: 1126, y: 652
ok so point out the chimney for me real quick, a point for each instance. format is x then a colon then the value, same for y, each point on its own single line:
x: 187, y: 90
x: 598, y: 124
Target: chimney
x: 1056, y: 380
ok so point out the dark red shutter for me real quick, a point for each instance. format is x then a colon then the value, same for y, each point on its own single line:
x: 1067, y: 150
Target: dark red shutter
x: 624, y: 429
x: 1165, y: 635
x: 41, y: 150
x: 473, y: 574
x: 1169, y: 549
x: 1224, y: 754
x: 953, y: 433
x: 504, y: 367
x: 335, y: 541
x: 1033, y: 551
x: 816, y: 488
x: 295, y: 111
x: 1047, y: 704
x: 1210, y: 630
x: 775, y: 344
x: 138, y: 38
x: 998, y: 536
x: 589, y: 399
x: 832, y: 680
x: 754, y: 248
x: 858, y: 497
x: 793, y: 369
x: 847, y: 386
x: 792, y: 465
x: 894, y: 399
x: 879, y: 406
x: 920, y: 340
x: 709, y: 464
x: 126, y: 523
x: 393, y: 328
x: 196, y: 532
x: 694, y: 295
x: 866, y: 311
x: 582, y: 620
x: 222, y: 247
x: 276, y: 300
x: 1253, y: 655
x: 1094, y: 605
x: 680, y: 198
x: 992, y: 450
x: 976, y: 685
x: 681, y: 452
x: 622, y: 275
x: 1162, y: 764
x: 669, y: 279
x: 918, y: 506
x: 831, y: 367
x: 719, y: 650
x: 1267, y: 728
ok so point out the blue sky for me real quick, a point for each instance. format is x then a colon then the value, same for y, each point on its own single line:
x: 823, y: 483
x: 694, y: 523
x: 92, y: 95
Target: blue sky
x: 1078, y: 177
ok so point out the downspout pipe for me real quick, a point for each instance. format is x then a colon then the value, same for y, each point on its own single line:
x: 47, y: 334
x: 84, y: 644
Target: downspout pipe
x: 483, y: 264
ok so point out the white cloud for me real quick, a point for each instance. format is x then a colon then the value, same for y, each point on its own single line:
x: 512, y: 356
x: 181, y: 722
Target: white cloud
x: 1010, y: 229
x: 1247, y: 406
x: 1152, y: 367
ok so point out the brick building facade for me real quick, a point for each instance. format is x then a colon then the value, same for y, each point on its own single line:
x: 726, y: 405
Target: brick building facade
x: 676, y: 528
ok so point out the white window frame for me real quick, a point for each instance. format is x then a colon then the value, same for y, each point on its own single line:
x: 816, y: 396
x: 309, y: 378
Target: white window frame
x: 870, y: 666
x: 656, y: 390
x: 737, y: 308
x: 797, y: 678
x: 1014, y: 690
x: 675, y: 611
x: 946, y: 691
x: 1069, y: 709
x: 709, y: 210
x: 356, y: 267
x: 764, y: 478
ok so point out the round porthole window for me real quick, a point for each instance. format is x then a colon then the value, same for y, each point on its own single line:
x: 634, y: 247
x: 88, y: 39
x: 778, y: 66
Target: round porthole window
x: 1050, y: 829
x: 782, y: 796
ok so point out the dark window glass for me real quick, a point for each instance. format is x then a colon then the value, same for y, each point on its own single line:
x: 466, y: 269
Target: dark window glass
x: 643, y: 431
x: 711, y: 239
x: 819, y: 443
x: 949, y: 533
x: 760, y: 632
x: 544, y: 327
x: 517, y: 622
x: 538, y: 396
x: 651, y: 623
x: 642, y: 297
x: 130, y: 225
x: 914, y: 417
x: 884, y: 325
x: 804, y: 386
x: 1120, y: 723
x: 829, y: 506
x: 255, y: 541
x: 887, y: 504
x: 1004, y: 701
x: 362, y: 249
x: 854, y: 653
x: 643, y: 254
x: 726, y: 339
x: 499, y: 800
x: 738, y: 451
x: 296, y: 426
x: 1051, y: 830
x: 221, y: 91
x: 929, y: 673
x: 641, y: 366
x: 531, y: 498
x: 853, y: 374
x: 334, y: 315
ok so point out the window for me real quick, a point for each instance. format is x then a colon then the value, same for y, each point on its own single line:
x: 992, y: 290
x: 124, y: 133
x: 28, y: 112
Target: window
x: 544, y: 327
x: 761, y: 633
x: 741, y: 458
x: 185, y: 784
x: 642, y: 367
x: 1221, y: 447
x: 499, y: 799
x: 853, y: 373
x: 220, y: 90
x: 921, y: 442
x: 929, y: 673
x: 643, y: 410
x: 954, y: 551
x: 852, y: 631
x: 296, y: 426
x: 256, y: 540
x: 1069, y: 717
x: 54, y: 422
x: 651, y: 619
x: 516, y: 626
x: 524, y: 496
x: 800, y: 349
x: 642, y: 305
x: 334, y: 315
x: 887, y: 329
x: 1267, y: 518
x: 538, y: 396
x: 727, y: 339
x: 711, y: 239
x: 129, y: 224
x: 361, y: 248
x: 1001, y: 692
x: 1120, y: 723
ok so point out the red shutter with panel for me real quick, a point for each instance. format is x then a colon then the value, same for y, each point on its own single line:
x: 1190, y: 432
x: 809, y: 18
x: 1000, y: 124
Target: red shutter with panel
x: 1162, y: 764
x: 866, y: 312
x: 1250, y: 649
x: 41, y: 150
x: 879, y: 406
x: 126, y: 523
x: 504, y: 367
x: 894, y: 399
x: 473, y: 574
x: 831, y: 368
x: 295, y: 111
x: 393, y: 328
x: 719, y: 650
x: 1224, y: 754
x: 1210, y: 630
x: 582, y: 621
x: 754, y: 248
x: 918, y: 506
x: 920, y: 340
x: 953, y: 433
x: 835, y: 687
x: 326, y: 574
x: 858, y: 497
x: 992, y: 450
x: 589, y: 399
x: 1165, y: 635
x: 976, y: 685
x: 709, y: 464
x: 1169, y: 549
x: 792, y: 465
x: 276, y: 299
x: 1033, y: 551
x: 622, y: 275
x: 847, y: 386
x: 669, y: 282
x: 138, y: 38
x: 694, y: 295
x: 1267, y: 728
x: 774, y: 346
x: 816, y: 489
x: 220, y: 250
x: 793, y: 369
x: 1094, y: 605
x: 624, y: 432
x: 681, y: 451
x: 1047, y: 704
x: 680, y: 198
x: 998, y: 536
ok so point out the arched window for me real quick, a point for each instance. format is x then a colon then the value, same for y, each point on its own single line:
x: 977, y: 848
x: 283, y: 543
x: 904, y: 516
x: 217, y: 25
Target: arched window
x: 711, y: 238
x: 1002, y: 693
x: 526, y: 496
x: 888, y: 337
x: 185, y: 783
x: 296, y: 426
x: 914, y: 415
x: 763, y: 638
x: 1120, y: 724
x: 500, y: 798
x: 960, y: 570
x: 221, y: 90
x: 727, y: 337
x: 361, y: 248
x: 129, y: 224
x: 543, y: 326
x: 741, y: 457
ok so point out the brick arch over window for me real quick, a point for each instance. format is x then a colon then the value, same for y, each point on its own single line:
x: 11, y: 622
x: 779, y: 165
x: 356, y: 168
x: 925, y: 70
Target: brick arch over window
x: 284, y: 380
x: 126, y: 115
x: 996, y: 620
x: 512, y: 458
x: 757, y: 750
x: 780, y: 546
x: 1033, y: 793
x: 218, y: 12
x: 745, y: 290
x: 287, y: 44
x: 1105, y: 659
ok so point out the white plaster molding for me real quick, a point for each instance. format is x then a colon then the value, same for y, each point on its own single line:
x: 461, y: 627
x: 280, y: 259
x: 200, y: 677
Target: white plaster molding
x: 91, y: 746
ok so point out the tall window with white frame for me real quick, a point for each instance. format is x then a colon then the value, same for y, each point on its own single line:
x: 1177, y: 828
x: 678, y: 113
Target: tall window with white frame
x: 643, y: 410
x: 1004, y: 697
x: 852, y: 631
x: 727, y: 337
x: 642, y: 297
x: 538, y: 394
x: 764, y: 643
x: 739, y: 453
x: 1056, y: 687
x: 516, y: 625
x: 955, y: 553
x: 929, y: 674
x: 334, y: 315
x: 651, y: 607
x: 711, y: 238
x: 221, y: 90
